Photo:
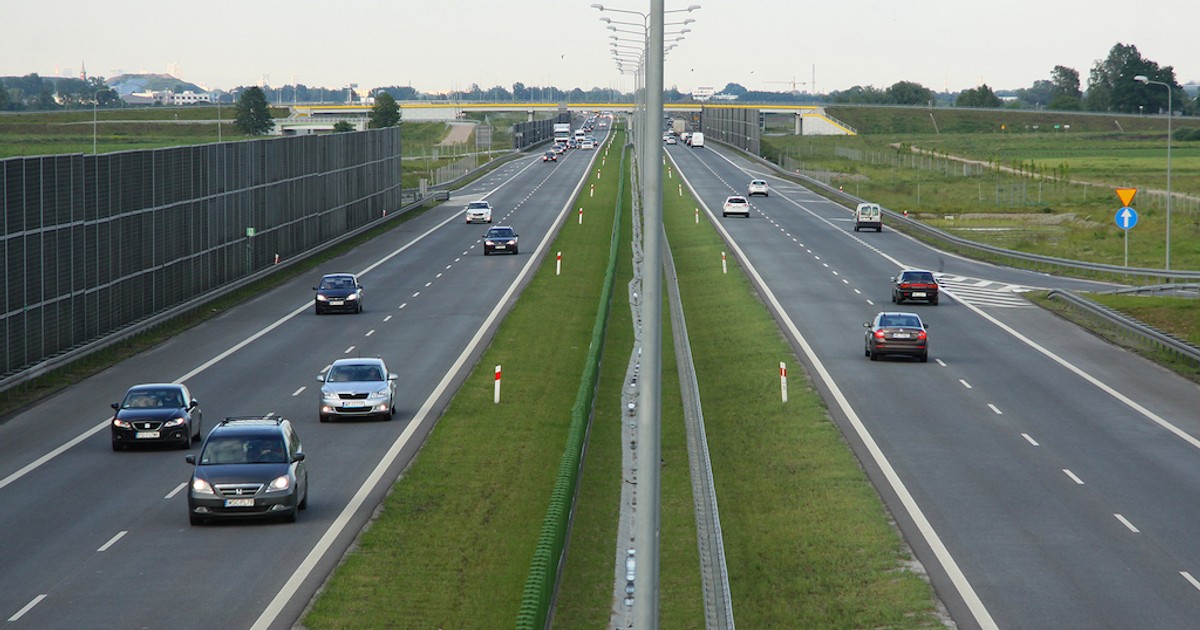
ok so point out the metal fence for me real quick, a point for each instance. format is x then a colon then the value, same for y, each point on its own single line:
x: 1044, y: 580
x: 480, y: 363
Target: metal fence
x: 94, y: 243
x: 739, y: 127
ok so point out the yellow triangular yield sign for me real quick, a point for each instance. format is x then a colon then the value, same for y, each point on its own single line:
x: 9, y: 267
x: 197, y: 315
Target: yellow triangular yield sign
x: 1126, y: 195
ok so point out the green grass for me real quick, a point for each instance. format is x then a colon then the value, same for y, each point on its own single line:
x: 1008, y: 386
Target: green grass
x: 452, y: 545
x: 807, y: 540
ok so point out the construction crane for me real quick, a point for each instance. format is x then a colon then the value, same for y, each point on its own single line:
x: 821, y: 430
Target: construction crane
x: 793, y: 83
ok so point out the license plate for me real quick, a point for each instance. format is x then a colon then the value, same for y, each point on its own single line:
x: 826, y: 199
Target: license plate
x: 354, y: 404
x: 146, y: 435
x: 336, y: 302
x: 901, y: 335
x: 239, y: 503
x: 500, y: 247
x: 918, y: 294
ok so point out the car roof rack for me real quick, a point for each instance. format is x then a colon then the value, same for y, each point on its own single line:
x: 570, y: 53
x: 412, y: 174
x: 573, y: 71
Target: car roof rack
x: 252, y: 419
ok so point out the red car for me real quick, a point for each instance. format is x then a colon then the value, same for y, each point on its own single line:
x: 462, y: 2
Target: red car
x: 915, y: 284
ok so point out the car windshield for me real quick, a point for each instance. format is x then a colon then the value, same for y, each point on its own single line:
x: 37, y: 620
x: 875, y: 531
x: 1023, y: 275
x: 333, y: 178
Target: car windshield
x: 153, y: 399
x: 917, y: 276
x: 477, y: 205
x: 899, y: 321
x: 354, y: 374
x: 500, y: 233
x: 235, y: 449
x: 735, y: 200
x: 336, y: 282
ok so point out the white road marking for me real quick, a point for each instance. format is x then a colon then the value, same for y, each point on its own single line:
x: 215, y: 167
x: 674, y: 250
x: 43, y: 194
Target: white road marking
x: 1126, y: 523
x: 112, y: 541
x: 297, y: 392
x: 387, y: 319
x: 1187, y: 576
x: 995, y: 409
x: 965, y: 384
x: 370, y: 332
x: 349, y: 350
x: 940, y: 362
x: 1030, y: 439
x: 39, y: 598
x: 1073, y: 477
x: 177, y: 490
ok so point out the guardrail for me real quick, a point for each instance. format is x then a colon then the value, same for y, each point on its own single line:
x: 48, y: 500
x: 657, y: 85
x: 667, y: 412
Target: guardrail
x: 1036, y: 261
x: 1128, y: 329
x: 138, y: 327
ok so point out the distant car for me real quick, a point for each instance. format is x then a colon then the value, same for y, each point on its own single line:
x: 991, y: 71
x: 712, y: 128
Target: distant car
x: 501, y: 238
x: 357, y: 388
x: 156, y: 413
x: 735, y: 204
x: 338, y: 292
x: 896, y: 333
x: 868, y: 216
x: 758, y: 187
x: 479, y: 211
x: 571, y: 144
x: 587, y: 144
x: 914, y: 284
x: 549, y: 156
x: 561, y: 147
x: 672, y: 140
x: 249, y: 466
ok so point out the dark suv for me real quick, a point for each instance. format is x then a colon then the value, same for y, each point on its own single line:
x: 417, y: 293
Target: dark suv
x: 248, y: 466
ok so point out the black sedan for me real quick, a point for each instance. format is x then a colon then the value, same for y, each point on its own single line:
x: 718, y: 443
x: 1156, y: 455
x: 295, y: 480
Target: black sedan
x: 915, y: 284
x: 549, y: 156
x: 339, y: 292
x: 896, y: 333
x: 156, y: 413
x: 501, y: 238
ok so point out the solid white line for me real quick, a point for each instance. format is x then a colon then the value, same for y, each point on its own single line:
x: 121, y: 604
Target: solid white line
x: 1073, y: 477
x: 995, y: 409
x: 1126, y: 523
x: 309, y: 563
x: 39, y: 598
x: 174, y: 492
x: 1030, y: 439
x: 982, y: 617
x: 31, y: 466
x: 112, y: 541
x: 1187, y: 576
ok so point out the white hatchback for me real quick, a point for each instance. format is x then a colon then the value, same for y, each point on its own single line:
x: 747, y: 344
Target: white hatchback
x: 736, y: 204
x: 757, y: 187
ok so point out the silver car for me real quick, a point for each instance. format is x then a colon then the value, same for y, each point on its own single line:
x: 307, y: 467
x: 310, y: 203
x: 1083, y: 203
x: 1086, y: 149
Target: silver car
x: 758, y: 187
x: 356, y: 388
x: 479, y: 212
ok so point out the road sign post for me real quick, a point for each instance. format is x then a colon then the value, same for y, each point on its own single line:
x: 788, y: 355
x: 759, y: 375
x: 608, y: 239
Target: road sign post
x: 1126, y: 216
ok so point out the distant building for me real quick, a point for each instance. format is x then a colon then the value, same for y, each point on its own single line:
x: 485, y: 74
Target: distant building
x: 167, y: 97
x: 703, y: 93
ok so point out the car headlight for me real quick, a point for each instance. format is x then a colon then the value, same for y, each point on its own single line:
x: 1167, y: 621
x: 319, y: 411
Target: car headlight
x: 489, y: 243
x: 322, y: 298
x: 283, y: 482
x: 382, y: 393
x: 330, y: 397
x: 174, y: 422
x: 121, y: 424
x: 352, y: 297
x: 200, y: 486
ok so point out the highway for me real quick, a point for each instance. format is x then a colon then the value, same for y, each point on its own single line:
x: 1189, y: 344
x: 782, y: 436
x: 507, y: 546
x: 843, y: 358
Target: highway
x: 1042, y: 476
x: 99, y: 539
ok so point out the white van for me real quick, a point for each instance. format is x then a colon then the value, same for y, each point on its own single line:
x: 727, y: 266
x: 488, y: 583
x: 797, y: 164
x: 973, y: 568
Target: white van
x: 868, y: 216
x: 697, y: 140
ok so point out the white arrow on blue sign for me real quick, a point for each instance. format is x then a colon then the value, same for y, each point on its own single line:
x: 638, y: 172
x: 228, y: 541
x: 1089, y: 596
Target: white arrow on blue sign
x: 1127, y: 218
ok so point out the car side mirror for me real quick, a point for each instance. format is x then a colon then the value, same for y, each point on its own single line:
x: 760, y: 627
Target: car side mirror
x: 320, y: 378
x: 924, y: 325
x: 298, y: 457
x: 193, y: 404
x: 191, y: 459
x: 316, y: 289
x: 893, y: 278
x: 392, y: 376
x: 115, y: 405
x: 866, y: 324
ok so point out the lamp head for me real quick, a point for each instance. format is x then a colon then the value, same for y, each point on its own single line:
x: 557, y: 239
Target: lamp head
x: 1142, y: 78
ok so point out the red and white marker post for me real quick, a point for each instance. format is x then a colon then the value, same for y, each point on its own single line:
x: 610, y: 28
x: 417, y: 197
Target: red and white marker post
x: 724, y: 267
x: 697, y: 216
x: 581, y: 216
x: 782, y: 380
x: 496, y: 394
x: 558, y: 264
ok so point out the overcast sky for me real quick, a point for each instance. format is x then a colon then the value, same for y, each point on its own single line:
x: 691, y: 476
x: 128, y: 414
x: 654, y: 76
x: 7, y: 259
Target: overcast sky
x: 439, y: 45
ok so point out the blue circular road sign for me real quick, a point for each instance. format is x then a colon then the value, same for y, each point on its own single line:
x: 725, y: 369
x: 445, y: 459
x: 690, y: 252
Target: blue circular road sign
x: 1126, y: 218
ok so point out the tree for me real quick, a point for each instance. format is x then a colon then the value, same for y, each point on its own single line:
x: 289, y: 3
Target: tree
x: 342, y: 126
x: 982, y: 96
x: 3, y: 96
x: 1111, y: 87
x: 253, y: 117
x: 734, y: 89
x: 385, y: 112
x: 909, y: 93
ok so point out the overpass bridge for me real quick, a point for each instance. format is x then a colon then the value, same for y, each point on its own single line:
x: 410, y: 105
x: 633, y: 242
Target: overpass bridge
x: 318, y: 118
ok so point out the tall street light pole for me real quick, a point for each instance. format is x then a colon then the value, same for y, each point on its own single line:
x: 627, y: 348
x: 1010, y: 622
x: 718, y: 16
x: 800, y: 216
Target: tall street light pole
x: 1170, y: 114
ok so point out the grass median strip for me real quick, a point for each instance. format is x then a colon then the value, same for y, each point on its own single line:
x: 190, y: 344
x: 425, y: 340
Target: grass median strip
x: 451, y: 546
x: 808, y: 542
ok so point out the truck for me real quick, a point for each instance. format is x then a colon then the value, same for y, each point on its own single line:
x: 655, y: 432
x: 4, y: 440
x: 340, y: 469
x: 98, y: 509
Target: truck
x: 562, y: 132
x: 678, y: 125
